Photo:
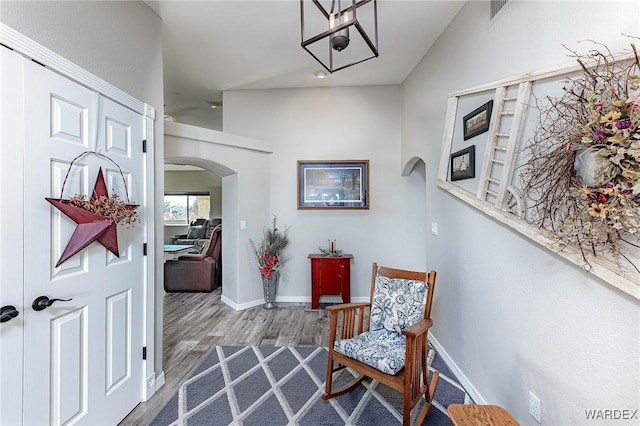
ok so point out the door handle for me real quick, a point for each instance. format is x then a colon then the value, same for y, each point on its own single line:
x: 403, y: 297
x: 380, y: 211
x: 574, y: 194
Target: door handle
x: 43, y: 302
x: 7, y: 313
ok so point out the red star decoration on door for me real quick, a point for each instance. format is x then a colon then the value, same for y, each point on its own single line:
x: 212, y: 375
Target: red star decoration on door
x: 91, y: 227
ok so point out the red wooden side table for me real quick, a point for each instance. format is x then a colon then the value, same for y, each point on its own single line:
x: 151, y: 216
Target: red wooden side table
x: 330, y: 275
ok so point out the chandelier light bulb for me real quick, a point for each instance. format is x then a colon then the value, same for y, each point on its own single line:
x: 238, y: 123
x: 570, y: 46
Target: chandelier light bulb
x: 338, y: 20
x: 339, y: 40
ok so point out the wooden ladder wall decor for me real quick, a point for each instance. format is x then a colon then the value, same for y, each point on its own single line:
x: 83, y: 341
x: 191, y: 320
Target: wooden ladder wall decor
x: 496, y: 195
x: 503, y: 143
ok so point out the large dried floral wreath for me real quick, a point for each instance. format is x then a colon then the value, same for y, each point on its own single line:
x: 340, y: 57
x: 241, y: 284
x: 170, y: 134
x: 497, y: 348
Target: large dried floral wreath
x: 583, y: 173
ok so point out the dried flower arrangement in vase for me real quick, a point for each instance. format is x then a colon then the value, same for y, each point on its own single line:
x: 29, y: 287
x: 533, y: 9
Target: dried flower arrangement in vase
x: 271, y: 261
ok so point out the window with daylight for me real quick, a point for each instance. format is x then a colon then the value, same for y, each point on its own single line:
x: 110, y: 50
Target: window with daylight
x: 182, y: 209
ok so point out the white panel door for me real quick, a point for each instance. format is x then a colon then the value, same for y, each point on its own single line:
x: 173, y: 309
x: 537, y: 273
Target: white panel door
x: 82, y: 358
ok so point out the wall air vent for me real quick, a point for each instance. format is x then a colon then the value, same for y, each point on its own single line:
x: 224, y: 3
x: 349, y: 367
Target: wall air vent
x: 496, y: 5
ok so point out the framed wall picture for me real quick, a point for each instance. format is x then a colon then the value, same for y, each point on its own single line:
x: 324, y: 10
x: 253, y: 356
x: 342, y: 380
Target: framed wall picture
x: 463, y: 163
x: 477, y: 121
x: 337, y: 184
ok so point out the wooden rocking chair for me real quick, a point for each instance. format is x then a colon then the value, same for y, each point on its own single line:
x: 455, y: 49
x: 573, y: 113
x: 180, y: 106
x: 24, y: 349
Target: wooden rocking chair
x: 394, y: 349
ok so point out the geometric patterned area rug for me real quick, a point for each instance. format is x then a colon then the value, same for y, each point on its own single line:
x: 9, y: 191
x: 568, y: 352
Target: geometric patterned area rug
x: 264, y: 386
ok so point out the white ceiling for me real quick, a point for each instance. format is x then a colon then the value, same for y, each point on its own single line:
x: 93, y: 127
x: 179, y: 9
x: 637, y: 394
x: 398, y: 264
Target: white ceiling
x: 217, y: 45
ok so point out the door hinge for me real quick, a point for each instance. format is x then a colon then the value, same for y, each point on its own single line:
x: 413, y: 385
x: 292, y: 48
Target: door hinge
x: 144, y: 352
x: 144, y: 145
x: 144, y: 249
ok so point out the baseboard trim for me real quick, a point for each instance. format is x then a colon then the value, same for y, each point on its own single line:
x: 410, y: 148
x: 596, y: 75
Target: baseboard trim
x: 240, y: 306
x: 323, y: 299
x: 464, y: 380
x: 286, y: 299
x: 160, y: 380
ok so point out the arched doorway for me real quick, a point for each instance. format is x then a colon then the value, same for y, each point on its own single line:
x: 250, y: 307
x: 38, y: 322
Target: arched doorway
x: 244, y: 167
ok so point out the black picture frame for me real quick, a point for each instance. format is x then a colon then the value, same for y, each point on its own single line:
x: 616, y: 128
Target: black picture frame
x: 463, y: 163
x: 477, y: 121
x: 335, y: 184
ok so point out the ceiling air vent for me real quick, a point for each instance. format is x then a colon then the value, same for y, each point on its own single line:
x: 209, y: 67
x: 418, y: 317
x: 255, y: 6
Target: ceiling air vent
x: 496, y: 5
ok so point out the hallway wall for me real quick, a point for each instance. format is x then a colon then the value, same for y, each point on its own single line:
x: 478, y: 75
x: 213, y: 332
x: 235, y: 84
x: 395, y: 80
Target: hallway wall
x: 340, y: 123
x: 514, y: 316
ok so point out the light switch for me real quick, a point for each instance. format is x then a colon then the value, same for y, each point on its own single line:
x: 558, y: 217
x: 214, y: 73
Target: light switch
x: 243, y: 224
x: 434, y: 228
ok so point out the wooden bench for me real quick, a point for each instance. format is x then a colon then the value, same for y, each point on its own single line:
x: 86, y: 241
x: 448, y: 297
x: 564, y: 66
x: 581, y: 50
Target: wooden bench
x: 476, y: 415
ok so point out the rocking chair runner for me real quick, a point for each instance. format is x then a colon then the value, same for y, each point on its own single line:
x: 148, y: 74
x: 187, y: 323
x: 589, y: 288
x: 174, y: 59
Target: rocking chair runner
x: 394, y: 349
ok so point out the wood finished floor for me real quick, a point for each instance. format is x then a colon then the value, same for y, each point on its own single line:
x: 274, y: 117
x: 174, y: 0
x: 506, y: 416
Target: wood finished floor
x: 194, y: 322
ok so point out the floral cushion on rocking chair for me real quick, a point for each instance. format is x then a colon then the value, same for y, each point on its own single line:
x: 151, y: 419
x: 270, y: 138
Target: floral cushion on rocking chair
x: 397, y: 304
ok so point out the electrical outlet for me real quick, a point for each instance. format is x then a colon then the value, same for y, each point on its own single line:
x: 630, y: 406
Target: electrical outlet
x: 534, y: 407
x: 434, y: 228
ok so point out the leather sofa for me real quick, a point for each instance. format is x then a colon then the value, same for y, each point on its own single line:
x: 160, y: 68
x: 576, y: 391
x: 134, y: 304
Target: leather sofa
x: 198, y: 234
x: 196, y: 272
x: 198, y: 230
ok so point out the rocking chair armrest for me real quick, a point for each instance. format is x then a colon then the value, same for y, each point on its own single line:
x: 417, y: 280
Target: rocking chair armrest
x: 421, y: 327
x: 346, y: 307
x: 351, y: 317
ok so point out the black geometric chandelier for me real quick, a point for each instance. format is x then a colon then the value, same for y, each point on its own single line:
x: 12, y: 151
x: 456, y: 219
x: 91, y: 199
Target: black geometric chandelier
x: 343, y: 32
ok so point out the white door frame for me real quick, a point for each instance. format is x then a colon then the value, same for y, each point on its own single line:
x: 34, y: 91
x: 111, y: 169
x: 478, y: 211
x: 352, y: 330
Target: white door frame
x: 32, y: 50
x: 11, y: 234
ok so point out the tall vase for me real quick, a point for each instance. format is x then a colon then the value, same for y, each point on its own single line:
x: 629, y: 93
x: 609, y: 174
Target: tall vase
x: 270, y: 287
